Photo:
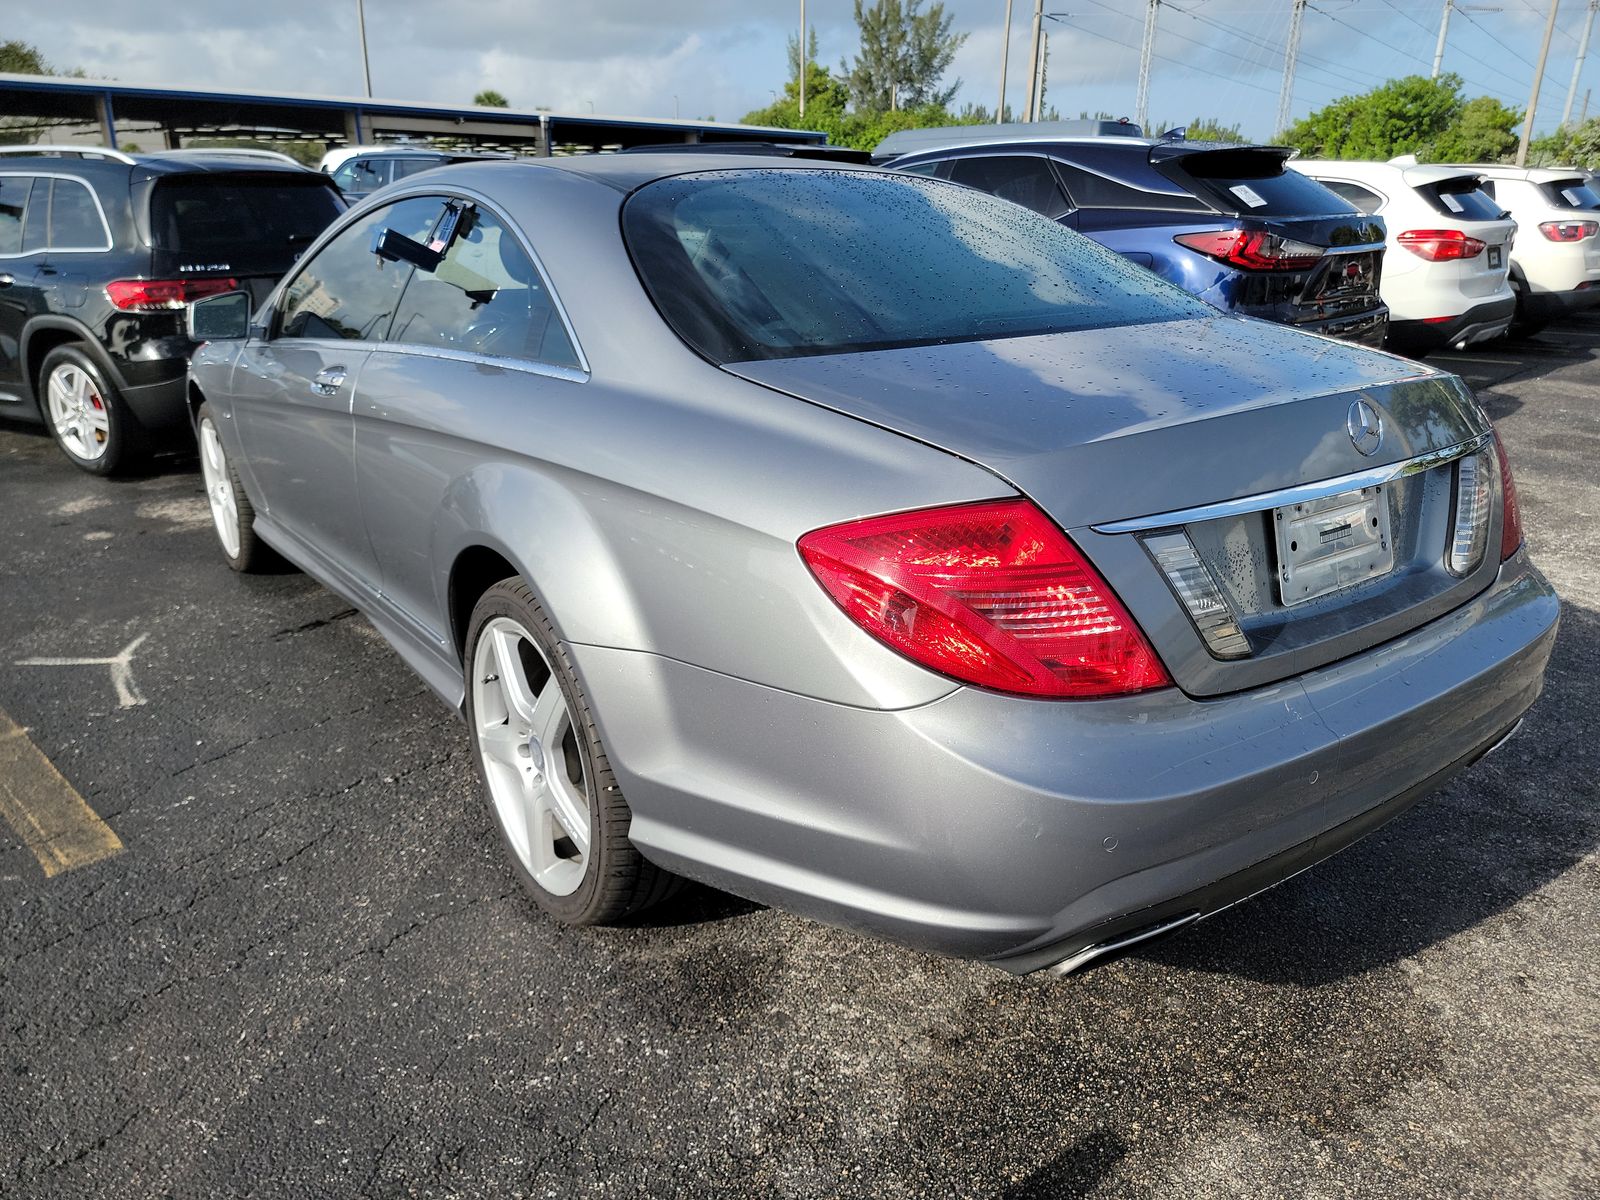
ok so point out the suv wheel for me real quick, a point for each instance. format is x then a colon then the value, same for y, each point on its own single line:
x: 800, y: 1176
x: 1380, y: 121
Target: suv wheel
x: 550, y: 785
x: 86, y: 415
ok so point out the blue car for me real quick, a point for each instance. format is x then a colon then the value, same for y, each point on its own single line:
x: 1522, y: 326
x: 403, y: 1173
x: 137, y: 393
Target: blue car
x: 1228, y: 223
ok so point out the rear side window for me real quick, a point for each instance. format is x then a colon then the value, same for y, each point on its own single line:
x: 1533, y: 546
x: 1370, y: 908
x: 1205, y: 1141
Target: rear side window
x: 75, y: 222
x: 759, y: 264
x: 361, y: 175
x: 486, y: 297
x: 1364, y: 199
x: 1023, y: 179
x: 1256, y: 184
x: 404, y: 167
x: 251, y: 223
x: 1089, y: 189
x: 347, y: 291
x: 13, y: 204
x: 1572, y: 193
x: 1462, y: 198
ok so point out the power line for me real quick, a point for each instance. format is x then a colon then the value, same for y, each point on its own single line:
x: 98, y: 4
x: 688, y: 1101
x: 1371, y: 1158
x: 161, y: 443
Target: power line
x: 1164, y: 58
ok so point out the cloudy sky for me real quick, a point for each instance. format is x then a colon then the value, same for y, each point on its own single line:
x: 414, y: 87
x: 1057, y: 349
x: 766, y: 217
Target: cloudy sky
x: 1215, y: 58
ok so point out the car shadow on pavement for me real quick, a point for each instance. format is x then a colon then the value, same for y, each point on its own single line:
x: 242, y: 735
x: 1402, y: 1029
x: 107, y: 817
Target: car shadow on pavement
x: 1499, y: 831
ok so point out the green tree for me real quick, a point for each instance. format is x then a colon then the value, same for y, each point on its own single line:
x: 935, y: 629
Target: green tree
x: 20, y: 58
x: 1482, y: 132
x: 1403, y: 116
x: 489, y: 98
x: 903, y: 57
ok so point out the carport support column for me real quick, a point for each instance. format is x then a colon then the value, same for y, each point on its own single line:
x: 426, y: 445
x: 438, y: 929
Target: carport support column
x: 354, y: 128
x: 108, y: 119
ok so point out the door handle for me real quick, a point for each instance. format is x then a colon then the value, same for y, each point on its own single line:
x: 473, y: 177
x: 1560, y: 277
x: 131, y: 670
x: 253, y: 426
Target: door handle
x: 7, y: 280
x: 328, y: 381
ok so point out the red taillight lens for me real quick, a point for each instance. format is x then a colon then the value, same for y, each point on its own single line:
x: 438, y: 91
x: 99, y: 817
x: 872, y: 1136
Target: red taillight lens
x: 155, y: 295
x: 1252, y: 249
x: 1440, y: 245
x: 992, y: 594
x: 1511, y: 515
x: 1569, y: 231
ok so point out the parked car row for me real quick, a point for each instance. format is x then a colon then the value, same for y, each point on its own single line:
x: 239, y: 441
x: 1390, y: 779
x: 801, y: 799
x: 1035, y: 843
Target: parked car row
x: 1255, y: 231
x: 847, y: 538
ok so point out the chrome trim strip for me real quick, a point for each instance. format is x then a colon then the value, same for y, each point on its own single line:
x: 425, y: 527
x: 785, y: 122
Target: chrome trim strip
x: 528, y: 366
x: 1100, y: 949
x: 1301, y: 493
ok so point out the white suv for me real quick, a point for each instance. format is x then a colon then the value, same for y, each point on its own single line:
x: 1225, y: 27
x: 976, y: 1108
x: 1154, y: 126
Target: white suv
x: 1446, y: 274
x: 1555, y: 267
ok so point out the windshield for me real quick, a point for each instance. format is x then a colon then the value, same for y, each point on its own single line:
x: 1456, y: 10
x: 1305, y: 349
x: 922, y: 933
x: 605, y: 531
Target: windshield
x: 1572, y: 193
x: 1255, y: 183
x: 780, y: 263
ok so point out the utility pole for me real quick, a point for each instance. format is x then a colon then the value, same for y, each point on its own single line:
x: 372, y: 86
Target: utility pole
x: 1029, y: 113
x: 1577, y: 67
x: 1291, y: 51
x: 361, y: 28
x: 1538, y: 78
x: 805, y: 57
x: 1044, y: 73
x: 1444, y: 29
x: 1141, y: 104
x: 1005, y: 51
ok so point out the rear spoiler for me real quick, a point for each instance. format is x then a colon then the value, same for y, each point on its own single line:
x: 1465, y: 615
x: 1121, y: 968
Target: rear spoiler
x: 1175, y: 151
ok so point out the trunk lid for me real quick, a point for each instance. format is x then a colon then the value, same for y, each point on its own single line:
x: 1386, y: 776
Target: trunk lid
x: 1101, y: 427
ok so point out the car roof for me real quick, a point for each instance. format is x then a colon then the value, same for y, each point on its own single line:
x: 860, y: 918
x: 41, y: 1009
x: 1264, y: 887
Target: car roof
x: 950, y: 137
x: 628, y: 172
x: 1413, y: 174
x: 1531, y: 174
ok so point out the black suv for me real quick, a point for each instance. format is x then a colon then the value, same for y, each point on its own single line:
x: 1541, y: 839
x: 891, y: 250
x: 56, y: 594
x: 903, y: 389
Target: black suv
x: 1225, y: 222
x: 99, y: 253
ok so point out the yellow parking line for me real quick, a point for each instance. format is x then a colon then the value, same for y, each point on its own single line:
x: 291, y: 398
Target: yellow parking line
x: 43, y: 809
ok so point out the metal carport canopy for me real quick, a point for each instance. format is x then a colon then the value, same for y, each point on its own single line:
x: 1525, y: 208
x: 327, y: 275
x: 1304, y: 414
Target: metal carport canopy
x: 276, y: 116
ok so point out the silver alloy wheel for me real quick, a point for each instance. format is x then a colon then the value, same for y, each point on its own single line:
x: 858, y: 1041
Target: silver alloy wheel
x: 530, y: 756
x: 219, y: 488
x: 78, y: 412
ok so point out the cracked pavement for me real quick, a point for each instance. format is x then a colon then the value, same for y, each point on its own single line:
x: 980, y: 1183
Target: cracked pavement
x: 311, y: 974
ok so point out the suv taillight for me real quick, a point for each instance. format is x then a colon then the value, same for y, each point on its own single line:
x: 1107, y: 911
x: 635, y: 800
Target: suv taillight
x: 158, y: 295
x: 992, y: 594
x: 1440, y: 245
x: 1510, y: 514
x: 1569, y: 231
x: 1253, y: 249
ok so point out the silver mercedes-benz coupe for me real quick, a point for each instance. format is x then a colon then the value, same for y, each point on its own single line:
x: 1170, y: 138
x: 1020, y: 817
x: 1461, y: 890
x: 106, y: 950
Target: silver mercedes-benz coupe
x: 873, y: 547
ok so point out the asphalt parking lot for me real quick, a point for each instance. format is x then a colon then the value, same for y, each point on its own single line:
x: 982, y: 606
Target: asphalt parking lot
x: 295, y: 963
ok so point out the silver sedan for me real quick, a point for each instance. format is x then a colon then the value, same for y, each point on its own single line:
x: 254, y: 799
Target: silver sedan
x: 869, y: 546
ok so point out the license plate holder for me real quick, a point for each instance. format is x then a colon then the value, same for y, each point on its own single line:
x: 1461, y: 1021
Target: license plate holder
x: 1494, y: 258
x: 1332, y: 543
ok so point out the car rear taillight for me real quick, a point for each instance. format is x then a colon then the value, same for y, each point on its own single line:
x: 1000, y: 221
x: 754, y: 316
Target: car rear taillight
x: 1510, y: 513
x: 991, y: 594
x: 157, y: 295
x: 1569, y: 231
x: 1440, y: 245
x: 1253, y: 249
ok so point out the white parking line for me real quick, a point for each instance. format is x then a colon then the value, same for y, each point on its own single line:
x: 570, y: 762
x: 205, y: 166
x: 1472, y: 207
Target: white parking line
x: 121, y: 664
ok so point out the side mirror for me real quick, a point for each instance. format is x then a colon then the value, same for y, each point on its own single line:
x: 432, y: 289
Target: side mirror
x: 219, y: 318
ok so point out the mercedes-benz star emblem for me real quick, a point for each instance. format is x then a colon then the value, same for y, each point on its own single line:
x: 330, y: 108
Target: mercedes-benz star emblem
x: 1365, y: 424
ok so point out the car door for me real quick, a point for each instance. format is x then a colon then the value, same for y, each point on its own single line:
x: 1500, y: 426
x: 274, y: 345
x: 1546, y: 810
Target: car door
x: 22, y: 238
x: 478, y: 344
x: 294, y: 380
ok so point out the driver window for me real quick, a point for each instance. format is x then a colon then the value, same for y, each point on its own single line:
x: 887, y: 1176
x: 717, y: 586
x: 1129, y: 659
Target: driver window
x: 347, y: 291
x: 486, y: 297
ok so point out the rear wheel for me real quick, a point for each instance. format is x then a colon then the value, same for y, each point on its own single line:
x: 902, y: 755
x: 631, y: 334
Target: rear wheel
x: 549, y: 783
x: 87, y: 415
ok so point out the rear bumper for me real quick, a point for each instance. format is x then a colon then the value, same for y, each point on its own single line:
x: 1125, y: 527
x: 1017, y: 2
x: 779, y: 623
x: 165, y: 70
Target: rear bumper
x: 1478, y: 324
x: 1549, y: 306
x: 1023, y: 831
x: 1367, y: 329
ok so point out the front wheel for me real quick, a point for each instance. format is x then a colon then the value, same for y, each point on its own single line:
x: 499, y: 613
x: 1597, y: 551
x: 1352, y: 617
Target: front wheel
x: 550, y: 785
x: 87, y: 415
x: 232, y: 514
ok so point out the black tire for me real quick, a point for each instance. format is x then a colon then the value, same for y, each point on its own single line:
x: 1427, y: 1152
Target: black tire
x: 253, y: 555
x: 618, y: 881
x: 122, y: 442
x: 1523, y: 325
